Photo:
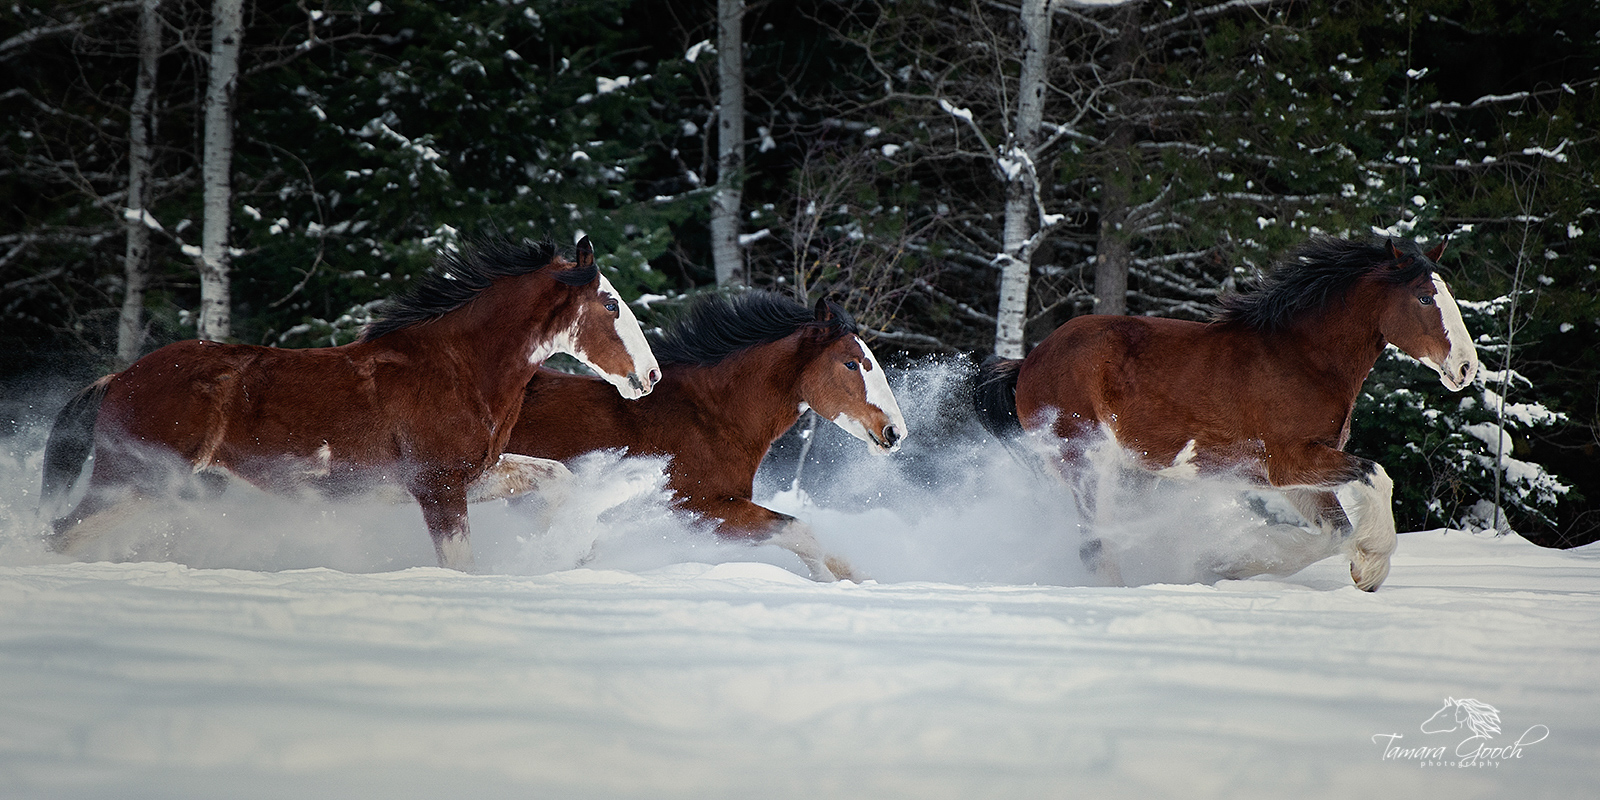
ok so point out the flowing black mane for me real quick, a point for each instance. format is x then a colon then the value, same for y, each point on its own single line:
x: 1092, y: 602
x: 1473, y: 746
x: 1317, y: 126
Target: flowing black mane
x: 716, y: 327
x: 459, y: 276
x: 1316, y: 274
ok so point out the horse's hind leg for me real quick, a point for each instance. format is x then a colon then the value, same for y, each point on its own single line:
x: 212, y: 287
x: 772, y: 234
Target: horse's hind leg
x: 120, y: 477
x: 515, y: 475
x: 1287, y: 548
x: 1074, y: 470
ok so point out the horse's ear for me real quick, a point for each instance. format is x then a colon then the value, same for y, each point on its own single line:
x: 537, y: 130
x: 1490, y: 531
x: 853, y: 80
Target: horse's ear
x: 1395, y: 251
x: 1438, y: 250
x: 823, y: 313
x: 585, y: 254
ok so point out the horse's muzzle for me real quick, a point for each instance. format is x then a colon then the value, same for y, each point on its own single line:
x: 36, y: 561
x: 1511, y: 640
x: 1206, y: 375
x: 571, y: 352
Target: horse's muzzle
x: 891, y: 437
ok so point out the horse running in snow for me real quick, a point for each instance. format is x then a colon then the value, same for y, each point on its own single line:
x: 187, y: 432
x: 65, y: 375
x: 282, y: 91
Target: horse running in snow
x: 736, y: 374
x: 424, y: 400
x: 1264, y: 390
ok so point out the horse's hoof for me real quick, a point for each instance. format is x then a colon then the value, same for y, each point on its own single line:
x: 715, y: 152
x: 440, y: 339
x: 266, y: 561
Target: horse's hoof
x: 1370, y: 576
x: 840, y: 570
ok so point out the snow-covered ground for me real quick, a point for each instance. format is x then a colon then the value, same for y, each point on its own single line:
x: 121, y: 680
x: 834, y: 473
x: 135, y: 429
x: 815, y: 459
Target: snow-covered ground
x: 273, y: 648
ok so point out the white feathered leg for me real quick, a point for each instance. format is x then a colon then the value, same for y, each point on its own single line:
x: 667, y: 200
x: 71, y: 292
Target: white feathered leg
x: 1373, y: 541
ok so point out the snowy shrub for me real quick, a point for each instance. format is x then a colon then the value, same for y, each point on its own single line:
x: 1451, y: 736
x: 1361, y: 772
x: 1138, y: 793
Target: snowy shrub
x: 1451, y: 454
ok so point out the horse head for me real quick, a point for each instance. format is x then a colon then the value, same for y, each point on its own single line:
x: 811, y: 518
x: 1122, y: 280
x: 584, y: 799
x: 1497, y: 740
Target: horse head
x: 603, y: 332
x: 844, y: 383
x: 1443, y: 720
x: 1423, y: 319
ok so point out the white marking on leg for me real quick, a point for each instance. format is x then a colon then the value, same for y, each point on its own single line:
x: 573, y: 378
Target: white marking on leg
x: 796, y: 537
x: 1372, y: 541
x: 516, y: 474
x: 455, y: 552
x: 455, y: 547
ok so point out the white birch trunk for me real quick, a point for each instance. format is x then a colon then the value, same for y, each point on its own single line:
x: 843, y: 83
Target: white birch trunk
x: 1017, y: 164
x: 227, y: 28
x: 726, y: 255
x: 141, y: 127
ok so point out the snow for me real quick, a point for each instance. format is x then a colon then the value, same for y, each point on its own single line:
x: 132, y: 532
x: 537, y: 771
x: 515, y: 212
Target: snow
x: 269, y: 647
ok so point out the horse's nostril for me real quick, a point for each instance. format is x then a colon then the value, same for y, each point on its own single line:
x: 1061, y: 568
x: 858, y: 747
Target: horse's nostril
x: 891, y: 435
x: 655, y: 377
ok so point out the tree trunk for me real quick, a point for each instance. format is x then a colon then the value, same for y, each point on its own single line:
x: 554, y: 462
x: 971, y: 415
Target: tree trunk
x: 1112, y: 255
x: 141, y: 129
x: 1114, y: 250
x: 227, y: 28
x: 726, y: 255
x: 1017, y: 166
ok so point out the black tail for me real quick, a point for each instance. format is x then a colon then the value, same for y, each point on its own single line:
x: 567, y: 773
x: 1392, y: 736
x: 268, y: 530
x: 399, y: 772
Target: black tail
x: 71, y: 439
x: 995, y: 396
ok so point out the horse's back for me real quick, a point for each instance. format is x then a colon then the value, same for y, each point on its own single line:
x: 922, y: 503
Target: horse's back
x: 1091, y: 365
x: 209, y: 399
x: 161, y: 396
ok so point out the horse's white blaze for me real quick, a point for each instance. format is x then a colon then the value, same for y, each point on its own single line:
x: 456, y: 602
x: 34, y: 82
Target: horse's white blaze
x: 633, y: 385
x: 644, y: 360
x: 875, y: 383
x: 1183, y: 465
x: 1461, y: 365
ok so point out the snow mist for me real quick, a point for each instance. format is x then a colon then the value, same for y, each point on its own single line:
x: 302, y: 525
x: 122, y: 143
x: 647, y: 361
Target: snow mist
x: 955, y: 506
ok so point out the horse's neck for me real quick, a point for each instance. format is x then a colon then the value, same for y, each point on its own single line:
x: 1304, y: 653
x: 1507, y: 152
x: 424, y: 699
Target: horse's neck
x: 1339, y: 344
x: 755, y: 392
x: 490, y: 344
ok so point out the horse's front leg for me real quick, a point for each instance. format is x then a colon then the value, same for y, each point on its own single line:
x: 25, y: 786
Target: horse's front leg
x: 746, y: 521
x: 515, y: 475
x: 444, y: 509
x: 1369, y: 540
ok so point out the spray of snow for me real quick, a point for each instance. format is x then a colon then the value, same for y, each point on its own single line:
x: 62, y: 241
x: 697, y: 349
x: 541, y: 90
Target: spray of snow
x: 954, y: 506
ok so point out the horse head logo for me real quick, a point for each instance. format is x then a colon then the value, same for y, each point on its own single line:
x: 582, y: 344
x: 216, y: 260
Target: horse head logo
x: 1481, y: 719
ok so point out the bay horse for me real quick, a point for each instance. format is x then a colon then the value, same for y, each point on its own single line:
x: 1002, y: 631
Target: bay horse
x: 736, y: 374
x: 424, y: 400
x: 1265, y: 390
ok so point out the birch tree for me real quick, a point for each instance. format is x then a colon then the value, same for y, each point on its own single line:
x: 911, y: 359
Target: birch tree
x: 227, y: 27
x: 725, y: 201
x: 137, y: 217
x: 1026, y: 220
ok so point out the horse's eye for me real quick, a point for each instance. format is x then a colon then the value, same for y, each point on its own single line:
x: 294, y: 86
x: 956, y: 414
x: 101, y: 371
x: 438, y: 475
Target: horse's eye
x: 611, y: 306
x: 853, y: 366
x: 1426, y: 299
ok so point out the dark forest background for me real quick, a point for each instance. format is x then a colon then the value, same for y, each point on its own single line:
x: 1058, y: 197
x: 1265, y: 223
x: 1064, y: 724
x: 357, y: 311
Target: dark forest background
x: 1184, y: 146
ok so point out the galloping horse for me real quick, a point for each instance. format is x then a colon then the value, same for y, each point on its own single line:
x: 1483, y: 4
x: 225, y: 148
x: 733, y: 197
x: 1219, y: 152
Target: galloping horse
x: 424, y: 400
x: 735, y: 375
x: 1264, y: 390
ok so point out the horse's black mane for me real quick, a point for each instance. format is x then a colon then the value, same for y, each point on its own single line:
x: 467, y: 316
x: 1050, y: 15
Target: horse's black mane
x: 716, y: 327
x: 458, y: 276
x: 1318, y: 273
